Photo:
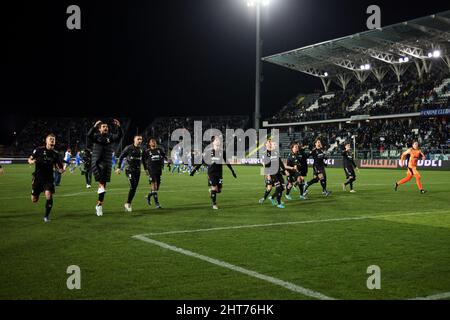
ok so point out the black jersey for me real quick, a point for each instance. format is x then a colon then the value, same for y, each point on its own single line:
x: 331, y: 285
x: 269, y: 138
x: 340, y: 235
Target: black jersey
x: 319, y: 158
x: 86, y: 159
x: 133, y: 156
x: 267, y: 158
x: 293, y: 160
x: 303, y: 159
x: 215, y: 168
x: 46, y: 160
x: 153, y: 160
x: 348, y: 160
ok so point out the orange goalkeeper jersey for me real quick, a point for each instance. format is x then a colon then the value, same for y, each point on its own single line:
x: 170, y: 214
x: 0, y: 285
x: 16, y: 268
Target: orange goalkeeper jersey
x: 414, y: 156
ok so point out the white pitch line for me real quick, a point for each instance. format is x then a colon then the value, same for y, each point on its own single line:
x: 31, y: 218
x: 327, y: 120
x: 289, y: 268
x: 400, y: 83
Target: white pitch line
x: 287, y: 285
x: 438, y: 296
x: 249, y: 226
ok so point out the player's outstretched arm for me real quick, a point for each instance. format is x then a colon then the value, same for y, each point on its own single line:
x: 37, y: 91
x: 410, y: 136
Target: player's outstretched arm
x: 93, y: 129
x: 196, y: 167
x: 116, y: 137
x: 232, y: 170
x: 123, y: 155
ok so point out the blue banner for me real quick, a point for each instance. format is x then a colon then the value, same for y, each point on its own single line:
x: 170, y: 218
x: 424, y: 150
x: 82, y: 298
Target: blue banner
x: 435, y: 112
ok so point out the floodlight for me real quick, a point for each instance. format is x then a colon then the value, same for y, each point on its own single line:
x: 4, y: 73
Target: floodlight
x: 436, y: 53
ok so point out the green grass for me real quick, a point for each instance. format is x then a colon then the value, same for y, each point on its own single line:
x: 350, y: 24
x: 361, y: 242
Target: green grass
x: 328, y: 257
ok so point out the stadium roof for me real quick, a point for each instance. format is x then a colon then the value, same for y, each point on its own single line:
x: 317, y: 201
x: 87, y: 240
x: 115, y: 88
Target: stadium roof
x: 415, y: 40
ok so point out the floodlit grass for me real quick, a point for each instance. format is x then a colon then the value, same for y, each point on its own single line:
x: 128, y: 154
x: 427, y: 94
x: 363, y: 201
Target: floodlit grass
x: 405, y: 233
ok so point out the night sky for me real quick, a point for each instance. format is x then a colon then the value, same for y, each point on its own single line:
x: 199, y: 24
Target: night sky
x: 144, y: 59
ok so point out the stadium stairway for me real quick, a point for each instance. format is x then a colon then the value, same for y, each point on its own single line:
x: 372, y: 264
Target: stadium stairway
x: 315, y: 105
x: 439, y: 89
x: 357, y: 103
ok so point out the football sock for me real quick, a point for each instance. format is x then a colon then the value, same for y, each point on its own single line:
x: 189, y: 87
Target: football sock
x: 48, y: 206
x: 213, y: 197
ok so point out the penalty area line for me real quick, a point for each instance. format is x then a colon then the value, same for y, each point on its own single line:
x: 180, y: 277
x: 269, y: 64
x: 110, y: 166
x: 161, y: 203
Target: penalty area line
x: 285, y: 284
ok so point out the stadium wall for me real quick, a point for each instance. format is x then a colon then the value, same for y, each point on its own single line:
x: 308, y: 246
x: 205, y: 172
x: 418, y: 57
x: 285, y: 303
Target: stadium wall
x: 374, y: 164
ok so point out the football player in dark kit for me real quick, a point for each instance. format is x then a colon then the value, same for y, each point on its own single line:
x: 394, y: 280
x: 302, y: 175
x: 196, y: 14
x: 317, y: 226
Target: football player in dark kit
x: 153, y: 160
x: 86, y: 161
x: 45, y: 160
x: 303, y: 169
x: 133, y: 155
x: 276, y: 180
x: 349, y: 168
x: 215, y: 169
x: 292, y: 167
x: 319, y: 168
x: 102, y: 150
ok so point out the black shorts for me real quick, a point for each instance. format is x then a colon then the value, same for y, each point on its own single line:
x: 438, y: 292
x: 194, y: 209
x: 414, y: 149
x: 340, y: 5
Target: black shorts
x: 319, y: 170
x: 38, y: 186
x: 275, y: 180
x: 303, y: 171
x: 350, y: 172
x: 133, y: 178
x: 215, y: 181
x: 292, y: 177
x: 154, y: 178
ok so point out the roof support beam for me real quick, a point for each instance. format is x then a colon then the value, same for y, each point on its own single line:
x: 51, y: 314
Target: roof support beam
x: 422, y: 66
x: 446, y: 60
x: 379, y: 73
x: 361, y: 76
x: 326, y: 84
x: 399, y: 69
x: 343, y: 80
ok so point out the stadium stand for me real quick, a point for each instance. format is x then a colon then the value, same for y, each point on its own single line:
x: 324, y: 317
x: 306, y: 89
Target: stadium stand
x: 70, y: 132
x: 382, y: 89
x: 162, y: 127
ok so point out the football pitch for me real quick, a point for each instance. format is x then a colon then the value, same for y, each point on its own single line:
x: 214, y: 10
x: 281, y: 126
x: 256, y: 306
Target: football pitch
x: 320, y: 248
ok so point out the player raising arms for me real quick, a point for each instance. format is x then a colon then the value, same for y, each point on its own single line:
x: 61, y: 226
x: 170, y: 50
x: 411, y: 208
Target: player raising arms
x: 349, y: 168
x: 215, y: 169
x: 102, y: 151
x: 45, y: 159
x: 133, y: 154
x: 273, y: 179
x: 319, y: 165
x: 153, y: 160
x: 413, y: 154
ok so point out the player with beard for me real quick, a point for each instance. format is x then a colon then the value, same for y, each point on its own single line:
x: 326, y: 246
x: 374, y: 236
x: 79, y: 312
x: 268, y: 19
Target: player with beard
x: 102, y: 151
x: 45, y: 160
x: 133, y: 155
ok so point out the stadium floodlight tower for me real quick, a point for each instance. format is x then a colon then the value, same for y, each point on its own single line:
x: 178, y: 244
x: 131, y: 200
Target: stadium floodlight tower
x: 257, y: 4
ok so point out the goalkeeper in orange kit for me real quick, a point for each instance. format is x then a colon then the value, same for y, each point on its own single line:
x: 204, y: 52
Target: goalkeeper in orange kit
x: 413, y: 154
